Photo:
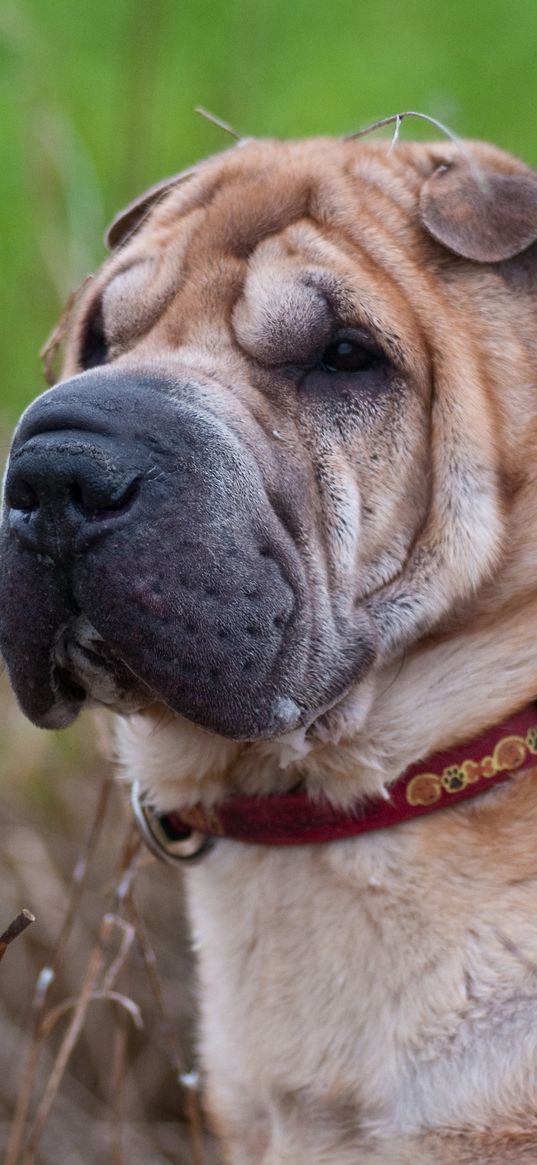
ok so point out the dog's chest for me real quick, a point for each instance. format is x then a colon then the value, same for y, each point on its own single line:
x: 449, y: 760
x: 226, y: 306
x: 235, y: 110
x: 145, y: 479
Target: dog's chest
x: 351, y: 977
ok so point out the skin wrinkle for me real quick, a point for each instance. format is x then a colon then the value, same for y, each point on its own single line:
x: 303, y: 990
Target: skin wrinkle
x: 483, y: 379
x: 401, y: 566
x: 384, y: 277
x: 302, y: 339
x: 171, y: 268
x: 198, y: 191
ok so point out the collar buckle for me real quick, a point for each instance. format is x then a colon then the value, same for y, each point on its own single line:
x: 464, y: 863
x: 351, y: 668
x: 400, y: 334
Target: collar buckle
x: 190, y: 846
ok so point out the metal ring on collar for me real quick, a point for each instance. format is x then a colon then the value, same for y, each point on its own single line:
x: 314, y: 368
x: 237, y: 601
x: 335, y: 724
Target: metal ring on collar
x: 191, y: 847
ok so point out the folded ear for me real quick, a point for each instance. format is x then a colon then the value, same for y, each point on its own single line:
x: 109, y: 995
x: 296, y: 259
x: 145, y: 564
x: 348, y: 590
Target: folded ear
x: 128, y: 220
x: 479, y: 212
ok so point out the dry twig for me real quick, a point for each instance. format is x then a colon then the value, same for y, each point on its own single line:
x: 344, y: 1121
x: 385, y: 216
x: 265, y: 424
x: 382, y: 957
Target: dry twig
x: 218, y: 121
x: 185, y: 1079
x: 47, y: 976
x: 89, y: 990
x: 95, y: 964
x: 15, y: 928
x: 104, y: 967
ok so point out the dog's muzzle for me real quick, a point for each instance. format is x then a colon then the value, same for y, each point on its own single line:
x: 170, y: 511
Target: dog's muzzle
x: 131, y: 509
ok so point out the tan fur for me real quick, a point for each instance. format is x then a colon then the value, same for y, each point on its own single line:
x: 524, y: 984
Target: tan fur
x: 372, y: 1000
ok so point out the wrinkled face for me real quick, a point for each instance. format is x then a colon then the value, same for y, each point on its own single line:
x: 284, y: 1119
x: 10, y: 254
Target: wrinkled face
x: 246, y: 489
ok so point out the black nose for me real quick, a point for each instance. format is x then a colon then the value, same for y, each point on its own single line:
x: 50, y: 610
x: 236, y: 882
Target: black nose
x: 65, y: 487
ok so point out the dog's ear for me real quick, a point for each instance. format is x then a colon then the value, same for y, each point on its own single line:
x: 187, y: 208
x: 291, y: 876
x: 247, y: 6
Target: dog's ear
x: 479, y: 212
x: 128, y: 220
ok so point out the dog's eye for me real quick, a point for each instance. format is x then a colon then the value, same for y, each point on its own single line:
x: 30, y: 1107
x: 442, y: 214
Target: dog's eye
x: 349, y: 355
x: 94, y: 348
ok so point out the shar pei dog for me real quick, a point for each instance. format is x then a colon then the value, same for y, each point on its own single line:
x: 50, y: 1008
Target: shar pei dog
x: 286, y: 491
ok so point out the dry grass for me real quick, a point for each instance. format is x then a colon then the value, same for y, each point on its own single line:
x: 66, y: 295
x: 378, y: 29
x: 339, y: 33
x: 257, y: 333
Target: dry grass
x: 92, y: 1052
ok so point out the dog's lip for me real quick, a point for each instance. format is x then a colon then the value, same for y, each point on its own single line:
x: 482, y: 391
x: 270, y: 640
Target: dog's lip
x: 90, y: 670
x: 66, y: 686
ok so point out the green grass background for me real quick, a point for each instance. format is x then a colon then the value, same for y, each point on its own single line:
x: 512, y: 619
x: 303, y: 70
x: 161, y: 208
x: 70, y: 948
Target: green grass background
x: 97, y: 102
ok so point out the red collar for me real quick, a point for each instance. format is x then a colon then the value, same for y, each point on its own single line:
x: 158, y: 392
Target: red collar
x: 295, y: 819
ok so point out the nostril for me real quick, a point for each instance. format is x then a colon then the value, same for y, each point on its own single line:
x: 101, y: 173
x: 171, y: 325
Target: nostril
x: 96, y: 499
x: 75, y: 493
x: 22, y: 496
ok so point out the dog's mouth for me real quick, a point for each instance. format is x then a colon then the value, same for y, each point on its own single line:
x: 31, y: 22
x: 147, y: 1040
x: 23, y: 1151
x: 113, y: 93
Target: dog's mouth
x: 85, y: 667
x: 241, y: 663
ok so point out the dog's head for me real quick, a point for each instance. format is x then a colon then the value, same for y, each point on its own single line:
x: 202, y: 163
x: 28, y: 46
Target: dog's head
x: 272, y: 460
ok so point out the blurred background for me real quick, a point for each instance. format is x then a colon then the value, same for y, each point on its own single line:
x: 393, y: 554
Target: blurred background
x: 96, y: 104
